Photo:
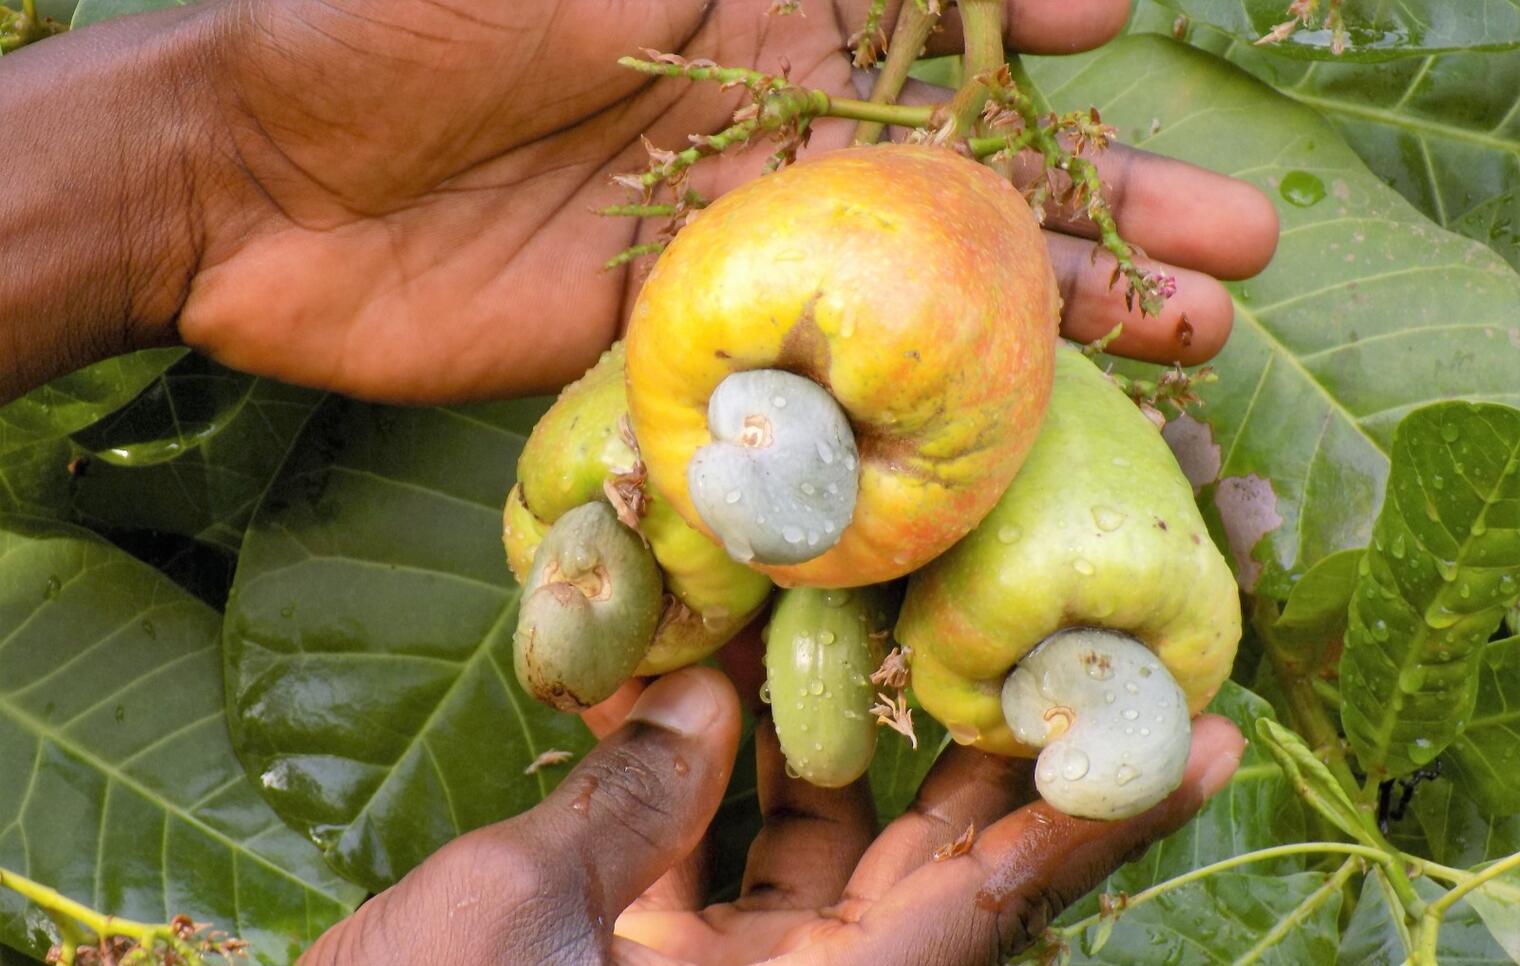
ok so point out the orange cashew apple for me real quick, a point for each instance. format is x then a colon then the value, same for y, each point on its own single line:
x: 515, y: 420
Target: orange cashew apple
x: 836, y: 370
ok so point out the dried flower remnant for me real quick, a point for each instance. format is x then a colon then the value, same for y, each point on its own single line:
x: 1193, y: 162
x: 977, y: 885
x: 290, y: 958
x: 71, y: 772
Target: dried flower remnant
x: 893, y: 672
x: 1301, y: 13
x: 895, y: 714
x: 548, y: 759
x: 960, y: 846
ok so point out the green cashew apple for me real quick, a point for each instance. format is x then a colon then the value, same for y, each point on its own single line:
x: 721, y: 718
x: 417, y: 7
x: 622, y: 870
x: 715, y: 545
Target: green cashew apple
x: 821, y: 647
x: 581, y: 452
x: 1099, y: 530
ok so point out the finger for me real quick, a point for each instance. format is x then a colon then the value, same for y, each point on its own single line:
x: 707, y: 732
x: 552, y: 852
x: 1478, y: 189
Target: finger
x: 639, y: 802
x: 1026, y: 868
x: 1176, y: 212
x: 626, y: 952
x: 812, y: 836
x: 605, y: 718
x: 1191, y: 328
x: 966, y: 789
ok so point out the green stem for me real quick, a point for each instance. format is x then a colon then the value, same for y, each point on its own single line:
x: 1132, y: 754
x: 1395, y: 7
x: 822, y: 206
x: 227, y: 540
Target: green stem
x: 1430, y: 922
x: 908, y: 38
x: 1327, y: 692
x: 29, y: 9
x: 982, y: 21
x: 1298, y: 848
x: 70, y: 914
x: 1301, y: 911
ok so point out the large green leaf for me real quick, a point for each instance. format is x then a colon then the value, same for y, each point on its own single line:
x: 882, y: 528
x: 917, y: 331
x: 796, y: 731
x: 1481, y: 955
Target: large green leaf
x: 369, y: 637
x: 188, y: 404
x: 121, y: 788
x: 35, y: 480
x: 1485, y: 758
x: 94, y: 11
x: 1443, y: 567
x: 72, y: 402
x: 1458, y: 832
x: 1319, y: 601
x: 1442, y: 129
x: 1372, y: 938
x: 209, y: 490
x: 1375, y: 29
x: 1226, y: 916
x: 1367, y: 311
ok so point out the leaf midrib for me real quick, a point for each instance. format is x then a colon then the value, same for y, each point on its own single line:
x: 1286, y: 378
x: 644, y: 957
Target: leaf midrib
x: 43, y: 731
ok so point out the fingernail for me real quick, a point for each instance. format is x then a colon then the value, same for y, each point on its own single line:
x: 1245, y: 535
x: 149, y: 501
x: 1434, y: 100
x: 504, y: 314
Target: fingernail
x: 1218, y: 773
x: 683, y: 702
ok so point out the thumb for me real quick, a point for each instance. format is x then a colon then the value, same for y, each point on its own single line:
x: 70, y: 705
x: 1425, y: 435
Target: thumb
x: 641, y: 800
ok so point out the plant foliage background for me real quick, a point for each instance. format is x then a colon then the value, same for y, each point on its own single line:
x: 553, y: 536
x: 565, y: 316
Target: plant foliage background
x: 255, y: 640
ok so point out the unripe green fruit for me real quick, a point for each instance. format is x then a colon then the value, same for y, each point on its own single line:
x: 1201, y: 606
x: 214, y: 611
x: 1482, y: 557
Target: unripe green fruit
x: 821, y: 648
x: 589, y: 609
x: 1099, y: 529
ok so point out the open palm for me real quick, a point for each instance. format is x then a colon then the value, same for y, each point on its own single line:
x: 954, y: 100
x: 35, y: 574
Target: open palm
x: 406, y: 209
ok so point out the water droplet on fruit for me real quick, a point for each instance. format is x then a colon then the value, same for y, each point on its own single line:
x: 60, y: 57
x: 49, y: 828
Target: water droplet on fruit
x: 765, y: 693
x: 778, y: 401
x: 849, y: 462
x: 1083, y: 567
x: 836, y: 598
x: 1107, y: 518
x: 825, y: 452
x: 1120, y: 461
x: 1145, y: 732
x: 817, y: 746
x: 1132, y: 687
x: 791, y: 534
x: 813, y: 538
x: 1009, y: 534
x: 1125, y: 775
x: 808, y: 489
x: 1109, y: 697
x: 826, y: 637
x: 828, y: 526
x: 1075, y: 765
x: 1130, y: 714
x: 791, y: 772
x: 733, y: 496
x: 815, y: 688
x: 1302, y: 189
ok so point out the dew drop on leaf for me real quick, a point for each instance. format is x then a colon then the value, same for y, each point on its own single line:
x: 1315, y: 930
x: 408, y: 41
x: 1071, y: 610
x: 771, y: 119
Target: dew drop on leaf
x: 54, y: 587
x: 1449, y: 432
x: 1302, y: 189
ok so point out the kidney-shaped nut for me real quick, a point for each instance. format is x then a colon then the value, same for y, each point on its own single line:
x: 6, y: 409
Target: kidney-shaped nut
x: 1112, y: 721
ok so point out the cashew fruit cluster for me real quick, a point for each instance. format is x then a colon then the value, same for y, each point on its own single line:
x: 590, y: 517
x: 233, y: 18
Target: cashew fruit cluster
x: 844, y: 374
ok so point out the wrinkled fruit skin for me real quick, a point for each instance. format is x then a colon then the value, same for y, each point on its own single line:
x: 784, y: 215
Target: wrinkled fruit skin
x: 911, y: 283
x: 572, y: 452
x: 590, y: 605
x: 1099, y: 529
x: 821, y: 647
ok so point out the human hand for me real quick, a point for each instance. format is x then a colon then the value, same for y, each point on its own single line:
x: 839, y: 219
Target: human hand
x: 405, y: 206
x: 618, y: 844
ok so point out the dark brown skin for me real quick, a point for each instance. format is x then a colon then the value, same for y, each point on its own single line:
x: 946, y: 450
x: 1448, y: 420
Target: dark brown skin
x: 393, y: 199
x: 818, y: 889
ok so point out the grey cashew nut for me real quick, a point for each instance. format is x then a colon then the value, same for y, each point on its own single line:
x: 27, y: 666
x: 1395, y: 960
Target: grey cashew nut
x: 779, y: 480
x: 1111, y: 719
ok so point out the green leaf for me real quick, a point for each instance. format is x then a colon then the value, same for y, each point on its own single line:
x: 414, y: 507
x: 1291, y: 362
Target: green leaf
x: 70, y: 403
x: 1376, y: 30
x: 188, y: 404
x: 1312, y: 779
x: 1366, y: 312
x: 1318, y: 602
x: 35, y: 480
x: 1442, y: 129
x: 369, y: 637
x: 1485, y: 758
x: 1440, y: 573
x: 1497, y: 902
x: 124, y: 791
x: 1225, y: 916
x: 1374, y: 938
x: 94, y: 11
x: 209, y: 492
x: 898, y: 768
x: 12, y: 957
x: 1456, y: 830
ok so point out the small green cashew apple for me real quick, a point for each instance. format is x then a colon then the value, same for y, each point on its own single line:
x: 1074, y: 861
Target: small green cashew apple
x: 582, y: 452
x: 821, y: 647
x: 589, y: 609
x: 1098, y: 530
